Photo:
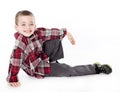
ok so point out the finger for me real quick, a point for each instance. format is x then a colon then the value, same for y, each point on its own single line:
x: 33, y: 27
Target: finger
x: 17, y: 84
x: 73, y: 42
x: 14, y: 84
x: 11, y: 84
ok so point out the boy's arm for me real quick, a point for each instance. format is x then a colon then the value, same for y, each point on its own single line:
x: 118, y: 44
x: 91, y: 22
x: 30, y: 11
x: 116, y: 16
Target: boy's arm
x: 14, y: 66
x: 70, y: 38
x: 54, y: 33
x: 58, y: 33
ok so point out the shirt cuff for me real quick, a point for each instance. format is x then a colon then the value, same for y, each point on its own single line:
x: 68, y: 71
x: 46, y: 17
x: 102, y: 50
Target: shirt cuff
x: 12, y: 79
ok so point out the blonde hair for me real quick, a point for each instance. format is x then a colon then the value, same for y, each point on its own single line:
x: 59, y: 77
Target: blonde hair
x: 22, y: 13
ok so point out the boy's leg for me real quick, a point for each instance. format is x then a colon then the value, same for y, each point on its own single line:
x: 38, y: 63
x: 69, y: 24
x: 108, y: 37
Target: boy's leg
x: 59, y: 70
x: 54, y: 49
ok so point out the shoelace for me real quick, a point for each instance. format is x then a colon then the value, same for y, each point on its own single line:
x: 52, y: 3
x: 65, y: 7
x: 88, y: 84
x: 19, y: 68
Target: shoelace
x: 102, y: 69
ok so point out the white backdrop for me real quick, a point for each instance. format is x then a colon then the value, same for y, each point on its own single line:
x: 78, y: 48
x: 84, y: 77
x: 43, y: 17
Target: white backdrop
x: 95, y: 24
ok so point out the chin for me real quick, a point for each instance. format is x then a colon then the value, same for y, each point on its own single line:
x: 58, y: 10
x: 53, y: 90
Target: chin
x: 27, y: 35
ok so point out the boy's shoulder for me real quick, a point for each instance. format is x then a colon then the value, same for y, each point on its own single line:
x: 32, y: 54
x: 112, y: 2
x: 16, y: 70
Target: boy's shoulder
x: 40, y: 31
x: 41, y: 28
x: 20, y: 39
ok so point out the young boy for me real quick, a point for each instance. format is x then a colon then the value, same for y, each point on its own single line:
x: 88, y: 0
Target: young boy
x: 37, y: 50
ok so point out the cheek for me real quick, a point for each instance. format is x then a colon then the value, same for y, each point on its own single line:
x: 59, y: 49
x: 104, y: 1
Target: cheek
x: 20, y: 29
x: 33, y: 28
x: 16, y: 28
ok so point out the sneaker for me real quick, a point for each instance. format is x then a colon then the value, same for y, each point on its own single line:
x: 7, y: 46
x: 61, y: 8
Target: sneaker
x: 105, y: 68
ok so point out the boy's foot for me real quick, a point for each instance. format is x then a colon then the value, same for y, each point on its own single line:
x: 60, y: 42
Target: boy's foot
x: 105, y: 68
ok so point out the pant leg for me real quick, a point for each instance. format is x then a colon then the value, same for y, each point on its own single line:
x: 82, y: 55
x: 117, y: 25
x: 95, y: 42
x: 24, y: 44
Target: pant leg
x: 60, y: 70
x: 54, y: 49
x: 84, y: 70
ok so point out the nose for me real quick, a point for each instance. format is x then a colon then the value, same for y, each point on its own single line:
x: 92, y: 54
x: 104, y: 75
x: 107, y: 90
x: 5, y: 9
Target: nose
x: 27, y: 27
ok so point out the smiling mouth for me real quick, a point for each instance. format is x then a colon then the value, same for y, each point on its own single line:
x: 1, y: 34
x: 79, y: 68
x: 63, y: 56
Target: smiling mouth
x: 27, y: 31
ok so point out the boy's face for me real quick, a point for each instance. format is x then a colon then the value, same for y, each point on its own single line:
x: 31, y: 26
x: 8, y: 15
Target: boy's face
x: 26, y: 25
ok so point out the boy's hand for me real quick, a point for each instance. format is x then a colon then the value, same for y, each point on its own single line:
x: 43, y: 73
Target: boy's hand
x: 14, y: 84
x: 70, y: 38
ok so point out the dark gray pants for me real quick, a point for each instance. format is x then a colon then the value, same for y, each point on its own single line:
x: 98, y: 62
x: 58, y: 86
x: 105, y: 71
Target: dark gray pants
x: 54, y: 50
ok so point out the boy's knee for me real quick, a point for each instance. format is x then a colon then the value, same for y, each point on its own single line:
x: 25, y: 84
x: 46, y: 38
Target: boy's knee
x: 51, y: 44
x: 54, y: 49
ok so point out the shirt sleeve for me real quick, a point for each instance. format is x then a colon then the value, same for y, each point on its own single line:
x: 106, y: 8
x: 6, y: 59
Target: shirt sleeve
x: 54, y: 33
x: 14, y: 65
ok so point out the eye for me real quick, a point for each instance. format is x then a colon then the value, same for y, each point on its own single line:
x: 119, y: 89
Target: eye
x: 31, y: 24
x: 23, y: 24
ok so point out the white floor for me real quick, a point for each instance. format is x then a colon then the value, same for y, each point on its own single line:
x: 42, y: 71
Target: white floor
x: 95, y: 24
x: 90, y: 83
x: 93, y: 83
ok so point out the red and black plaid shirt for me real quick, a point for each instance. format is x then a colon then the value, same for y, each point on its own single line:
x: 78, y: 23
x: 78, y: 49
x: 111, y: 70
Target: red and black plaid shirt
x: 28, y: 55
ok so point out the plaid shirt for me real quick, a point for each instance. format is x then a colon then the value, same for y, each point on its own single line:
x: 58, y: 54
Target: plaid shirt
x: 28, y: 55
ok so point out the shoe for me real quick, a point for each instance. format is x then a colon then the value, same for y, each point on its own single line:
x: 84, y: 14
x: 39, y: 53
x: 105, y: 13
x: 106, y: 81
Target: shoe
x: 105, y: 68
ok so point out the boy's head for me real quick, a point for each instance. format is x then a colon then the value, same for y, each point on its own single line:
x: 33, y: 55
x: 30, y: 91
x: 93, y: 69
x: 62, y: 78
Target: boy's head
x: 25, y: 23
